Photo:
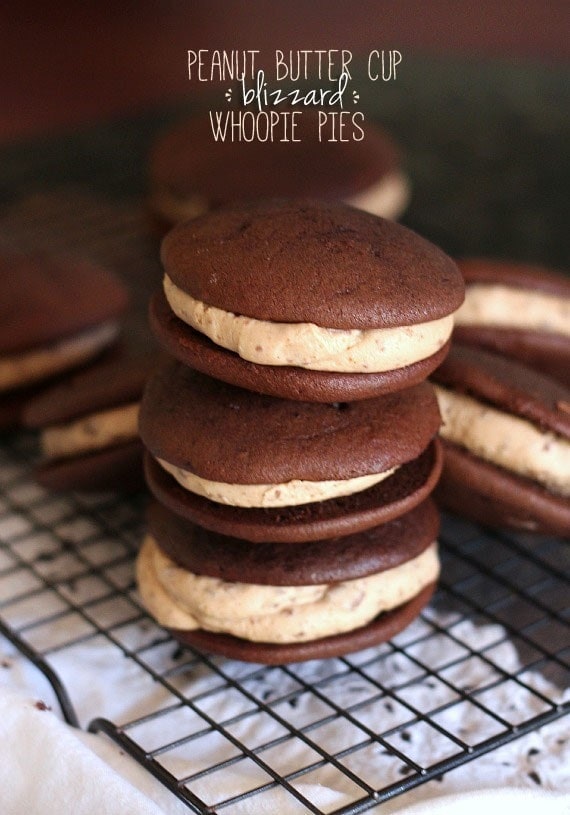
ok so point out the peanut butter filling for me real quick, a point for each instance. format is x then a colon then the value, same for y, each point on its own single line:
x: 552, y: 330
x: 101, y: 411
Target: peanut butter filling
x: 506, y: 440
x: 32, y: 366
x: 501, y: 306
x: 291, y: 493
x: 277, y: 614
x: 306, y: 345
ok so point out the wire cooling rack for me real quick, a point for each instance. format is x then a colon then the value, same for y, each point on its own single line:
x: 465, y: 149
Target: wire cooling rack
x: 487, y: 662
x: 375, y: 724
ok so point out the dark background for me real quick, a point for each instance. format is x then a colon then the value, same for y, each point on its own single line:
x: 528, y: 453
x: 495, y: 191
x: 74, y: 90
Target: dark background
x: 69, y: 63
x: 480, y: 107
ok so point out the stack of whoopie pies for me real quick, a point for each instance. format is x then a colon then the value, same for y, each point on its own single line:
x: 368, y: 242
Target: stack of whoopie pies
x: 504, y: 396
x: 57, y: 314
x: 292, y: 439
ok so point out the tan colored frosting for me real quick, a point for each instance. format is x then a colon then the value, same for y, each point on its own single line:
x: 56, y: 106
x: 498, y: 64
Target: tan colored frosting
x: 387, y: 198
x: 502, y: 306
x: 306, y: 345
x: 93, y: 432
x: 278, y: 614
x: 506, y: 440
x: 288, y: 494
x: 22, y: 369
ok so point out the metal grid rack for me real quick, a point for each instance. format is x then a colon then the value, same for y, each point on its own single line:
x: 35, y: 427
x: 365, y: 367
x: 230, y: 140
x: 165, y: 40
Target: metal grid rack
x: 382, y: 721
x: 483, y: 665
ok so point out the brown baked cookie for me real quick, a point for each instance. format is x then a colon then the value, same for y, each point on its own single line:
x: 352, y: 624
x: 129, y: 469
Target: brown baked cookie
x: 256, y: 458
x: 355, y: 303
x: 278, y: 564
x: 191, y: 172
x: 489, y: 495
x: 89, y: 436
x: 287, y: 596
x: 55, y: 314
x: 518, y: 310
x: 506, y: 432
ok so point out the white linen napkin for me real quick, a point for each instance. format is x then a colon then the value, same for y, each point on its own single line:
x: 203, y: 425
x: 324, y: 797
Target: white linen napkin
x: 48, y: 767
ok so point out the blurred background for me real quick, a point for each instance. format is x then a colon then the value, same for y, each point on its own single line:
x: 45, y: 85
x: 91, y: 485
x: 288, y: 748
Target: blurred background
x: 480, y: 106
x: 68, y: 63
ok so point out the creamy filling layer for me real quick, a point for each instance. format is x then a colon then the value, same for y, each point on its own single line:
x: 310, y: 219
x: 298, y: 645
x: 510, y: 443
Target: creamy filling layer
x: 388, y: 198
x: 180, y: 599
x: 508, y: 307
x: 291, y: 493
x: 32, y: 366
x: 93, y: 432
x: 506, y: 440
x: 309, y: 346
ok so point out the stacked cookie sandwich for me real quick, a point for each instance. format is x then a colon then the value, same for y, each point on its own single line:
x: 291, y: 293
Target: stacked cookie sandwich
x: 56, y: 314
x: 191, y: 172
x: 291, y: 441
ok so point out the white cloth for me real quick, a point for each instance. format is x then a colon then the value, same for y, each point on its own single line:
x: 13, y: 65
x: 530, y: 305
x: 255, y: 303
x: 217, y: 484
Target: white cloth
x: 48, y: 767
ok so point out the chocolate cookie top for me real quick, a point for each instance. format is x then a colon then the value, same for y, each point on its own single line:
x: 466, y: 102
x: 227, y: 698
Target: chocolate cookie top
x: 507, y: 385
x: 228, y: 434
x: 118, y: 468
x: 303, y: 261
x: 45, y: 299
x: 187, y: 160
x: 280, y: 564
x: 106, y: 384
x: 519, y: 275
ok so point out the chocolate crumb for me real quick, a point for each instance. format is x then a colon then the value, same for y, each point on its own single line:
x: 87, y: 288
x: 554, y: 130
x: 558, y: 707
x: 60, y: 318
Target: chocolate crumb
x: 534, y: 751
x: 45, y: 557
x: 405, y: 736
x: 534, y: 776
x: 6, y: 663
x: 389, y: 707
x: 404, y: 769
x: 41, y: 705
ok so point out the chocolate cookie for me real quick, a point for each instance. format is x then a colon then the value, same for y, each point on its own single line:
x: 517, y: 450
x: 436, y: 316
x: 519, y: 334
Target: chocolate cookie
x: 506, y: 432
x: 279, y: 564
x: 191, y: 172
x: 302, y: 291
x: 88, y: 424
x: 55, y: 314
x: 299, y: 595
x: 518, y: 310
x: 263, y: 456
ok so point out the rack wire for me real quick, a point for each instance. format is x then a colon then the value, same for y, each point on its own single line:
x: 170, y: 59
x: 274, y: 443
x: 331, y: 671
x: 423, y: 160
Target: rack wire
x: 378, y: 722
x: 486, y: 663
